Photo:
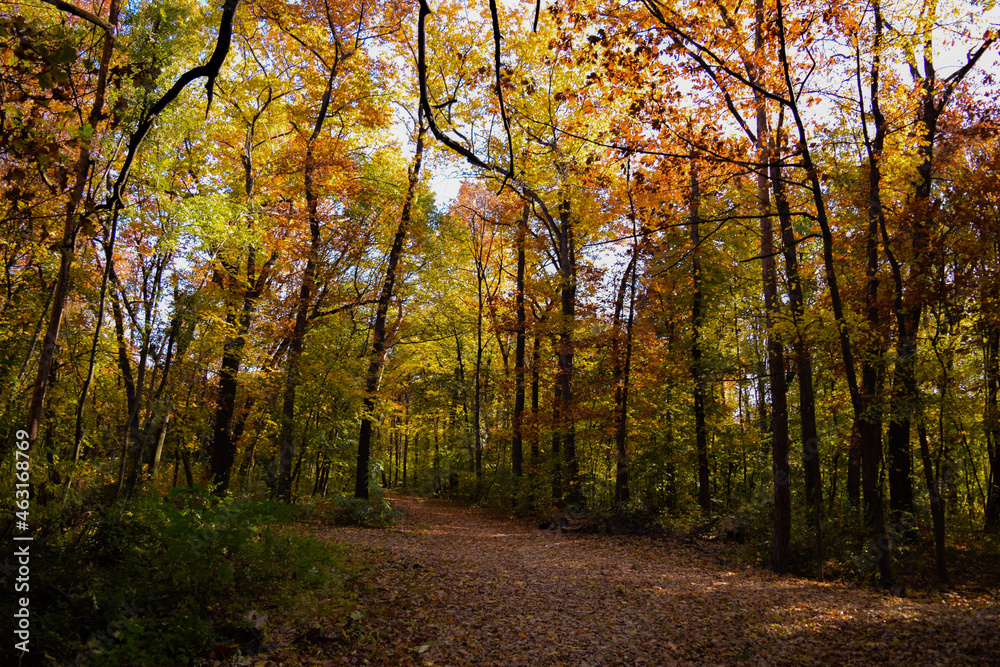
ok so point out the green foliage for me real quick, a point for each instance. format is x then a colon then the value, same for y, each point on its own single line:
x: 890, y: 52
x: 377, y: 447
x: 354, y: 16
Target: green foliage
x: 151, y: 582
x: 374, y: 512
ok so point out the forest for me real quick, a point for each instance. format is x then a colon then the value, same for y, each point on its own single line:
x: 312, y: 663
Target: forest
x: 722, y: 268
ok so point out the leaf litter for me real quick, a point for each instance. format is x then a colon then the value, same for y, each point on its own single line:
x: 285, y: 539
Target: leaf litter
x: 451, y: 585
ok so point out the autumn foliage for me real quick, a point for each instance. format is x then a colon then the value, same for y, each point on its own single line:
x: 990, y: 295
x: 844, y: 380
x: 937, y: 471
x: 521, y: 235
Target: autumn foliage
x: 627, y: 264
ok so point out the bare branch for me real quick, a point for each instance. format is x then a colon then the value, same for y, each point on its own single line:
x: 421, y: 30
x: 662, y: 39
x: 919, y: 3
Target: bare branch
x: 82, y: 13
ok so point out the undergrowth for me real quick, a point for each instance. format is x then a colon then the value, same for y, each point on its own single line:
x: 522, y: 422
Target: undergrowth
x: 162, y: 580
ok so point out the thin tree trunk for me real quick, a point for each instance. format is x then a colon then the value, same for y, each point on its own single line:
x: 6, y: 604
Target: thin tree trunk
x: 991, y: 422
x: 536, y: 360
x: 566, y: 352
x: 517, y: 452
x: 854, y: 467
x: 109, y: 244
x: 622, y: 372
x: 437, y: 459
x: 803, y: 359
x: 478, y: 395
x: 937, y: 504
x: 71, y: 227
x: 781, y: 522
x: 379, y: 338
x: 186, y: 459
x: 556, y: 458
x: 286, y: 441
x: 697, y: 371
x: 782, y: 518
x: 225, y: 439
x: 406, y: 437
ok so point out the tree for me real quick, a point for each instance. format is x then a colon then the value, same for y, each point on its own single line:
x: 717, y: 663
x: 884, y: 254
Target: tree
x: 380, y: 343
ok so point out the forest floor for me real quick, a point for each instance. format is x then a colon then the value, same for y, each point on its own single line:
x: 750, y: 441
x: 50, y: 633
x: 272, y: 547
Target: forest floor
x: 450, y: 585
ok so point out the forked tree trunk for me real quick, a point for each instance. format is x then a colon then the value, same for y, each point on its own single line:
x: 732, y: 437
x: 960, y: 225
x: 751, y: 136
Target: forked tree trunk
x: 622, y: 361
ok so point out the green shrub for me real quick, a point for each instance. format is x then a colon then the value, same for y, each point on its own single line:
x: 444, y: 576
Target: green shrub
x: 149, y: 583
x: 372, y: 513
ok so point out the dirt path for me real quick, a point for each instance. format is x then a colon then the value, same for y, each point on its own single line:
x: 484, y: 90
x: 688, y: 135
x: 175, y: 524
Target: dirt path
x: 454, y: 586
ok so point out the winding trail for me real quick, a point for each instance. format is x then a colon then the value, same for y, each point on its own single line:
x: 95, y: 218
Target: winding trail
x: 456, y: 586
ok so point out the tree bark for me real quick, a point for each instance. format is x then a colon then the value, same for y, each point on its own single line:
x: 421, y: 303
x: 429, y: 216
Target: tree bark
x: 991, y: 422
x: 803, y: 360
x: 781, y: 523
x: 67, y: 247
x: 622, y: 370
x: 697, y: 371
x: 566, y: 352
x: 225, y: 439
x: 556, y: 455
x: 937, y: 504
x: 536, y: 355
x: 477, y: 403
x: 517, y: 448
x: 286, y: 441
x: 379, y: 337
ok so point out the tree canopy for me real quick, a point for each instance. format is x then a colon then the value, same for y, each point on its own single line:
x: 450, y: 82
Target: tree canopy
x: 707, y: 259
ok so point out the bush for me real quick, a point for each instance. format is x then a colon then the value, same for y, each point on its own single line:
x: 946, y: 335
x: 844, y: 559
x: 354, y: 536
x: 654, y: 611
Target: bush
x: 150, y: 583
x: 371, y: 513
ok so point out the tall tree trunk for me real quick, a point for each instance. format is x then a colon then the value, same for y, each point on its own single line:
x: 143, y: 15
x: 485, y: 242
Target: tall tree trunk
x: 854, y: 467
x: 781, y: 523
x: 536, y: 360
x: 109, y: 244
x: 869, y: 424
x: 991, y: 422
x: 557, y: 469
x: 803, y: 360
x: 477, y: 405
x: 226, y: 435
x: 224, y: 441
x: 937, y: 503
x: 286, y: 438
x: 566, y: 352
x: 517, y: 450
x: 622, y: 371
x: 406, y: 434
x: 437, y: 459
x: 71, y: 226
x: 697, y: 371
x: 869, y: 418
x: 379, y: 338
x: 223, y: 445
x: 132, y: 397
x: 406, y: 448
